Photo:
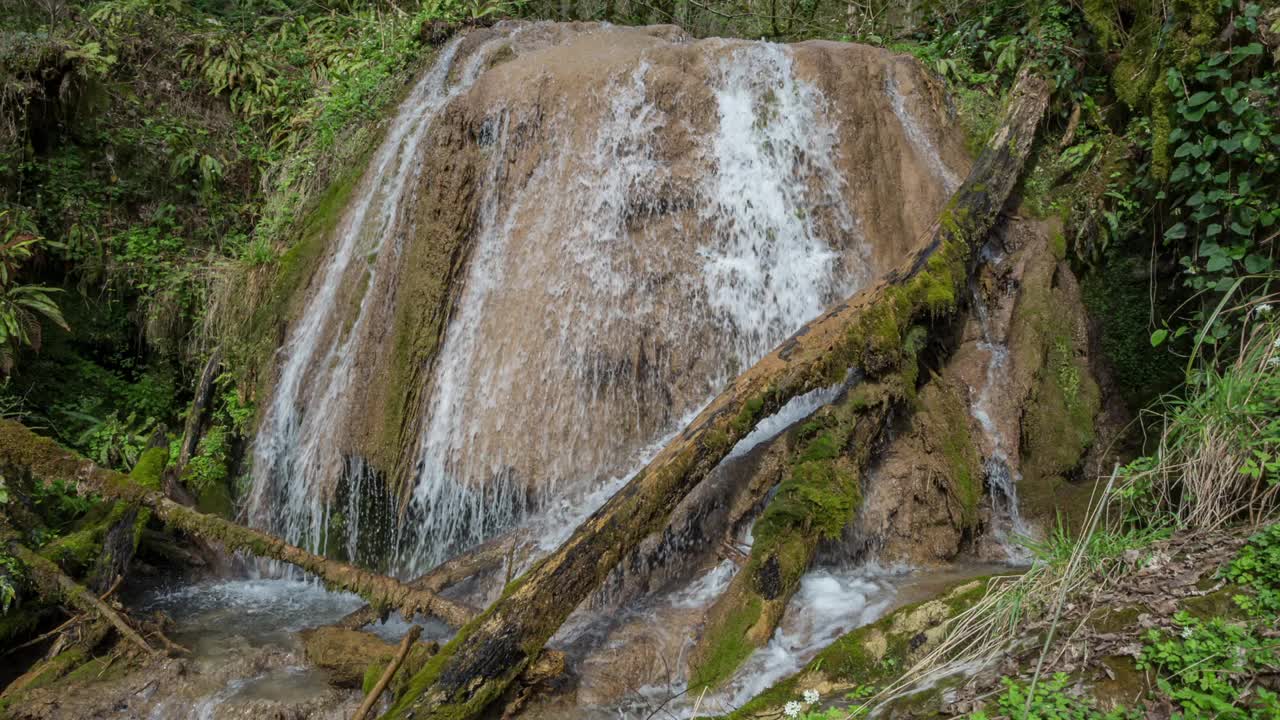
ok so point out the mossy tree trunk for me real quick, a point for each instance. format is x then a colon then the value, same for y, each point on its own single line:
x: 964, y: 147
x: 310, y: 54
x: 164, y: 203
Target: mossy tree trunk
x: 867, y: 333
x: 24, y: 451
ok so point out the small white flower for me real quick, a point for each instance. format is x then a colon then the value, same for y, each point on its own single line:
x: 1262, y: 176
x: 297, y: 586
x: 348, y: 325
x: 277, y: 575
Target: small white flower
x: 1263, y: 309
x: 810, y: 697
x: 1187, y: 632
x: 1273, y: 361
x: 1276, y: 344
x: 792, y: 709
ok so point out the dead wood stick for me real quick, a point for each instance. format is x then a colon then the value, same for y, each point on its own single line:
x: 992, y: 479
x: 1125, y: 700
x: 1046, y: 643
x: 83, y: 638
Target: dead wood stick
x: 54, y: 583
x: 70, y: 621
x: 371, y: 699
x: 21, y: 450
x: 869, y: 332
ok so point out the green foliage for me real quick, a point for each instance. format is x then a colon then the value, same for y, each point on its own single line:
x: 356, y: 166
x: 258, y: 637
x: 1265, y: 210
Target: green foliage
x: 1257, y: 568
x: 1210, y: 668
x: 10, y: 579
x: 21, y: 306
x: 1048, y: 699
x: 1210, y: 197
x: 1117, y: 296
x: 58, y: 504
x: 1101, y: 548
x: 1219, y: 453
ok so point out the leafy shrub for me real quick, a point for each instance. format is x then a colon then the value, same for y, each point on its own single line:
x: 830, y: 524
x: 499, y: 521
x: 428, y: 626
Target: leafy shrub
x: 1210, y: 668
x: 1257, y: 567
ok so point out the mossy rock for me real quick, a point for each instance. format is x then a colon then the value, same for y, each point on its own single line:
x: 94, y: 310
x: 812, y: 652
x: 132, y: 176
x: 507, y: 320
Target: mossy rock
x: 356, y: 659
x: 873, y: 654
x: 943, y: 418
x: 215, y: 499
x: 1049, y: 338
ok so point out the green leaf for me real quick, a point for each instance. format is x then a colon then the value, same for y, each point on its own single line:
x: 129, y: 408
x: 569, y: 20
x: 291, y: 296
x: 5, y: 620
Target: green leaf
x: 1251, y: 142
x: 1158, y: 337
x: 1218, y: 263
x: 1177, y: 232
x: 1256, y: 263
x: 1199, y: 98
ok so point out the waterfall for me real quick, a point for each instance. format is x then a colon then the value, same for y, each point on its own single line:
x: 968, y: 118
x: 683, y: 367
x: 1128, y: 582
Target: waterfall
x: 1001, y: 477
x: 632, y: 300
x: 297, y: 452
x: 645, y: 218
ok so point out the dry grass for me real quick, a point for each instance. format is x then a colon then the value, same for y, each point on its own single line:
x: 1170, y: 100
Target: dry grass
x: 999, y: 622
x: 1218, y: 457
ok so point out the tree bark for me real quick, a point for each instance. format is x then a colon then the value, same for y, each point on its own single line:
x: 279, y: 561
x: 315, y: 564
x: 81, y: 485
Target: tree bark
x: 868, y: 333
x: 22, y: 449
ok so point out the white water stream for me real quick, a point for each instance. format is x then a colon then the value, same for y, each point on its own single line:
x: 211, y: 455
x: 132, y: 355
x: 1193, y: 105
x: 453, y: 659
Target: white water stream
x: 498, y: 446
x: 296, y: 449
x: 1009, y: 528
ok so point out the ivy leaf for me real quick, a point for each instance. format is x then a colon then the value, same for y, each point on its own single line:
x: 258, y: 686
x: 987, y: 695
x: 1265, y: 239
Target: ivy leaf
x: 1177, y: 232
x: 1199, y: 98
x: 1158, y: 337
x: 1246, y: 51
x: 1217, y: 263
x: 1256, y: 263
x: 1251, y: 142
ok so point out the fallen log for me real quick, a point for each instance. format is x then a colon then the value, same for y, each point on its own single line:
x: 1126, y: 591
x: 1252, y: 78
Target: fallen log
x: 24, y: 451
x: 484, y: 557
x: 55, y: 585
x: 868, y: 333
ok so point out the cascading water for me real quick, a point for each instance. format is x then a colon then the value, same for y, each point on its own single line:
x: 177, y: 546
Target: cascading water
x: 634, y: 330
x: 298, y: 451
x: 644, y: 218
x: 1001, y: 478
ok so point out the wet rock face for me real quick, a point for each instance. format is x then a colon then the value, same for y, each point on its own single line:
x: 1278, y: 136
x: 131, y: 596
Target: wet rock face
x: 1011, y: 417
x: 604, y: 225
